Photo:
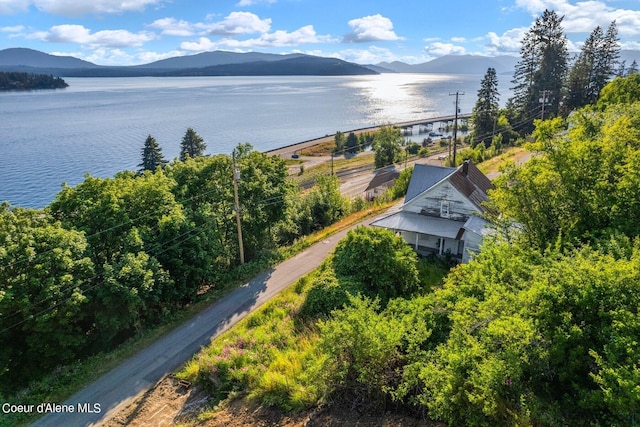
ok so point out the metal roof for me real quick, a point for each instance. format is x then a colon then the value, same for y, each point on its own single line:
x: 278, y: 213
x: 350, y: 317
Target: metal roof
x: 382, y: 178
x: 425, y: 177
x: 414, y: 222
x: 467, y: 179
x: 478, y: 225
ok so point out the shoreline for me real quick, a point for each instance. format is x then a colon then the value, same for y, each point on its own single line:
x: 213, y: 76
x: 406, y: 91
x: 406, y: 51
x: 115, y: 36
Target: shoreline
x: 290, y: 149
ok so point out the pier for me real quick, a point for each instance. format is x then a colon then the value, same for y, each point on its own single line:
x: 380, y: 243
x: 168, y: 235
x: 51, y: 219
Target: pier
x: 288, y: 150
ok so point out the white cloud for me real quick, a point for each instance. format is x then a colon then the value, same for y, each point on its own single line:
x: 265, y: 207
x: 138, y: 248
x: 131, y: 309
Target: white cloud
x: 584, y: 16
x: 173, y: 27
x: 13, y: 29
x: 239, y: 23
x: 371, y: 28
x: 280, y: 38
x: 202, y: 45
x: 8, y: 7
x: 75, y: 7
x: 373, y: 55
x: 244, y: 3
x: 100, y: 39
x: 441, y: 49
x: 507, y: 43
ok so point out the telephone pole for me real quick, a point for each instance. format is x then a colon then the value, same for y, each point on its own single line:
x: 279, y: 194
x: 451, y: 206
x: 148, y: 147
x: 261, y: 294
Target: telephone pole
x: 455, y: 126
x: 543, y: 100
x: 236, y: 178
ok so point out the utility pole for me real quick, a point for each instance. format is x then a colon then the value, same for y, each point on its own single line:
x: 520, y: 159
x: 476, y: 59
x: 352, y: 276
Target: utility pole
x: 543, y: 100
x: 455, y: 126
x: 236, y: 178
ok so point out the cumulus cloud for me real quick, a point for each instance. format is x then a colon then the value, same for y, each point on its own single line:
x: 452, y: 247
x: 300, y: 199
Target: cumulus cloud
x: 507, y: 43
x: 100, y: 39
x: 584, y: 16
x: 441, y: 49
x: 372, y: 55
x: 202, y: 45
x: 173, y: 27
x: 8, y: 7
x: 280, y: 38
x: 76, y: 8
x: 371, y: 28
x: 239, y: 23
x: 12, y: 29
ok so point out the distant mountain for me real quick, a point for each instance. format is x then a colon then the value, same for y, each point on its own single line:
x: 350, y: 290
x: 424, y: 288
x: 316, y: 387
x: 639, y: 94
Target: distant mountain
x: 303, y: 65
x: 457, y: 64
x: 211, y: 59
x: 205, y: 64
x: 29, y: 58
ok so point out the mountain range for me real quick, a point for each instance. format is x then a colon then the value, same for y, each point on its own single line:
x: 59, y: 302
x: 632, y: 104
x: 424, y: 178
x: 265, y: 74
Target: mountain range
x: 221, y: 63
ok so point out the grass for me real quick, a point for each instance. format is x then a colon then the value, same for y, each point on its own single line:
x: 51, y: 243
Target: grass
x: 322, y: 149
x: 271, y: 357
x: 511, y: 154
x: 339, y: 164
x: 264, y: 357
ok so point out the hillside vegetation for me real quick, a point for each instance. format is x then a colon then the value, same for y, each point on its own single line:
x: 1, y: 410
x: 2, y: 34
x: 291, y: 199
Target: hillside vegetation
x: 540, y: 328
x: 26, y: 81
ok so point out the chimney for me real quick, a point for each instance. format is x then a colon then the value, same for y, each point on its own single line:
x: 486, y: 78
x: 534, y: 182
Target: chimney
x: 465, y: 168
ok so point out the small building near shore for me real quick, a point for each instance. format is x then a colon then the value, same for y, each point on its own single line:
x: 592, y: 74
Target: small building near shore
x: 442, y: 211
x: 381, y: 182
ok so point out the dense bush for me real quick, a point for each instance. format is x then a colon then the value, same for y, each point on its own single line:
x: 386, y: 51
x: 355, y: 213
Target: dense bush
x: 381, y: 262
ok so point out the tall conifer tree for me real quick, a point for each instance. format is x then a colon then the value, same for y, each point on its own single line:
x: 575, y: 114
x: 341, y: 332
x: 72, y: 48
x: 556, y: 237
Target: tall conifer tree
x: 485, y: 112
x: 542, y: 68
x: 152, y: 157
x: 192, y: 145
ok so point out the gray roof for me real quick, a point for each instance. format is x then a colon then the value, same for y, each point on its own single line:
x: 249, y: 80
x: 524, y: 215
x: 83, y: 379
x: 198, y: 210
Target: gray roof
x: 478, y: 225
x: 467, y: 178
x: 383, y: 178
x: 425, y: 177
x: 414, y: 222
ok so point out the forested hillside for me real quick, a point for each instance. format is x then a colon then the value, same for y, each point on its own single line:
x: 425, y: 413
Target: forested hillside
x: 26, y: 81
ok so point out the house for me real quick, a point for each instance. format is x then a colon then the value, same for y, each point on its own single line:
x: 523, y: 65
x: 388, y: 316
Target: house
x: 380, y: 183
x: 442, y: 210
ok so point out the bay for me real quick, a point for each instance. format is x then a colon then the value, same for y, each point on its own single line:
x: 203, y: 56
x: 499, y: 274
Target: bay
x: 97, y: 126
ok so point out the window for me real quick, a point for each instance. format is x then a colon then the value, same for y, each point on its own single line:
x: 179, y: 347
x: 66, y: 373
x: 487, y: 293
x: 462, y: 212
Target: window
x: 444, y: 208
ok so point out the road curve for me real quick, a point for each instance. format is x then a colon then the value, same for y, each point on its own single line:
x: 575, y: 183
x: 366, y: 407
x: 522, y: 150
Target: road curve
x: 137, y: 375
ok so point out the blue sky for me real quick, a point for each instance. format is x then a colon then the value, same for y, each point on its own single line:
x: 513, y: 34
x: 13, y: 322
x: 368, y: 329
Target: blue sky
x: 127, y: 32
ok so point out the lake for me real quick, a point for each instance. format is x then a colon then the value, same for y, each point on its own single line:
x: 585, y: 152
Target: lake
x: 98, y: 126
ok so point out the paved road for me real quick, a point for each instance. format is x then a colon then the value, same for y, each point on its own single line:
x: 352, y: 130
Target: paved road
x: 140, y: 373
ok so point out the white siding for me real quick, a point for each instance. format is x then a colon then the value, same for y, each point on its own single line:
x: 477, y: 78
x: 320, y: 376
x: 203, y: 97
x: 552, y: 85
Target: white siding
x: 429, y: 202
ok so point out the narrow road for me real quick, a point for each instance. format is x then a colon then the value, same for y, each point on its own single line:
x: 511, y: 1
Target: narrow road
x: 140, y: 373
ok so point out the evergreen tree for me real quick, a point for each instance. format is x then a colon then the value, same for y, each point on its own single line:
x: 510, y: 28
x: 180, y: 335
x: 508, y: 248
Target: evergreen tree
x: 581, y: 84
x: 352, y: 143
x: 542, y: 68
x: 606, y: 60
x: 192, y: 145
x: 485, y: 112
x: 152, y: 157
x: 594, y: 67
x: 633, y: 69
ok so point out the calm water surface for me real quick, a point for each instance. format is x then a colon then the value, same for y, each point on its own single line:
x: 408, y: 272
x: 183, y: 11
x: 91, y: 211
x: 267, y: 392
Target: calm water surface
x: 97, y: 126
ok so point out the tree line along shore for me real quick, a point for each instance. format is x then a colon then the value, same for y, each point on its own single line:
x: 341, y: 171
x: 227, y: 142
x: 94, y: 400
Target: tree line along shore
x: 15, y: 81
